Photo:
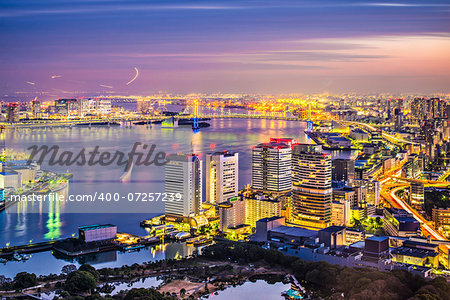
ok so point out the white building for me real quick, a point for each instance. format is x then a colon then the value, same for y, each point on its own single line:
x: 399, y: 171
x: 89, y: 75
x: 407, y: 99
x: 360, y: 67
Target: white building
x: 94, y: 106
x: 10, y: 179
x: 373, y: 190
x: 340, y: 213
x: 93, y: 233
x: 221, y: 177
x: 271, y: 166
x: 183, y: 175
x: 28, y: 174
x: 232, y: 214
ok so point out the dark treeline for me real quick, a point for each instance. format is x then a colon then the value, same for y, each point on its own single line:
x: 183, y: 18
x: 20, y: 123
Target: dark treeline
x: 333, y: 281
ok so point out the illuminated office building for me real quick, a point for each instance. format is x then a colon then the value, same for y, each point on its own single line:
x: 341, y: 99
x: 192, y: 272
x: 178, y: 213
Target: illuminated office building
x: 183, y: 175
x: 343, y: 170
x: 311, y: 186
x: 94, y: 106
x: 271, y: 165
x: 417, y: 195
x: 36, y: 108
x: 12, y: 112
x: 259, y: 205
x: 231, y: 213
x: 66, y: 107
x: 221, y: 177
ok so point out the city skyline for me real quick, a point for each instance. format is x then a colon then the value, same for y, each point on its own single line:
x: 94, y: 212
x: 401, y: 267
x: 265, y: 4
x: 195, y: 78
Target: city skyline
x: 190, y: 149
x: 230, y: 47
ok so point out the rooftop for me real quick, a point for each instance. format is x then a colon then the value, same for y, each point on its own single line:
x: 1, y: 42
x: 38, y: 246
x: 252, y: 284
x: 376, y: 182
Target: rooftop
x: 377, y: 238
x: 274, y: 145
x: 358, y: 244
x: 8, y: 173
x: 294, y: 231
x: 414, y: 252
x: 420, y: 244
x: 97, y: 226
x: 332, y: 229
x: 266, y: 220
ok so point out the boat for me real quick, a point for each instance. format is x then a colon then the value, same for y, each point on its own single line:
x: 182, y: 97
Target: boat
x: 202, y: 242
x: 17, y: 256
x: 134, y: 248
x: 127, y: 175
x: 3, y: 261
x: 60, y: 186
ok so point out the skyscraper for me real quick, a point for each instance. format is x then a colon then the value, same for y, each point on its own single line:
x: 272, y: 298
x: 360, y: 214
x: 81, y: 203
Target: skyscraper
x: 343, y: 170
x: 311, y: 186
x: 183, y: 174
x: 221, y: 177
x: 12, y: 112
x: 35, y: 108
x: 271, y: 165
x: 417, y: 195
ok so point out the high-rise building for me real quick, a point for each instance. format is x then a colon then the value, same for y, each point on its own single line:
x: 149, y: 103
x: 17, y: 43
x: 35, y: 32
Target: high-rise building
x: 398, y: 115
x: 373, y: 192
x: 12, y: 112
x: 426, y: 109
x: 311, y: 186
x: 221, y: 176
x: 441, y: 219
x: 183, y: 175
x: 94, y: 106
x: 341, y: 213
x: 343, y: 170
x: 389, y: 110
x: 271, y: 165
x: 417, y: 195
x: 259, y: 205
x: 346, y: 194
x: 36, y: 108
x: 66, y: 107
x: 232, y: 213
x: 371, y: 189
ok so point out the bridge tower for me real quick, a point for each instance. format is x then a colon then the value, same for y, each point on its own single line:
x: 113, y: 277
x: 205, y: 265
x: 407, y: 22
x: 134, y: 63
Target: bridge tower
x: 309, y: 111
x: 196, y: 126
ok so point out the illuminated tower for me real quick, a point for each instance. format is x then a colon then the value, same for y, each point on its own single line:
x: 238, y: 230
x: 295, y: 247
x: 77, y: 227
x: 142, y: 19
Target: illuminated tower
x: 271, y: 165
x: 12, y: 112
x: 183, y: 175
x: 196, y: 115
x: 221, y: 177
x: 36, y: 108
x: 311, y: 186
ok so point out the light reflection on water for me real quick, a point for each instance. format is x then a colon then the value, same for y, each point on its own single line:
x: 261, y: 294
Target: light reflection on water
x: 44, y: 263
x: 41, y: 221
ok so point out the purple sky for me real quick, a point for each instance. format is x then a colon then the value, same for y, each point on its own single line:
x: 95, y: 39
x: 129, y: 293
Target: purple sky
x: 224, y: 46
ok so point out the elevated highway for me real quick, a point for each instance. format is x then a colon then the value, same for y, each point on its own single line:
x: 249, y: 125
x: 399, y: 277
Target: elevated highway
x: 62, y: 123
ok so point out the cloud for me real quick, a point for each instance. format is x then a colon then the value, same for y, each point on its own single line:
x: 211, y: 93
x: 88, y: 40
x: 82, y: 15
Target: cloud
x: 110, y: 8
x: 88, y: 7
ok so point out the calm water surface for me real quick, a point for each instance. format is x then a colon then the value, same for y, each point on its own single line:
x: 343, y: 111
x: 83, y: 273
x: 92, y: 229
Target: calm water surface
x: 252, y: 290
x: 28, y: 222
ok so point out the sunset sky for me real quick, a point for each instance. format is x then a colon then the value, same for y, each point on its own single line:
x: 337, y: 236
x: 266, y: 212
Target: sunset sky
x: 224, y: 46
